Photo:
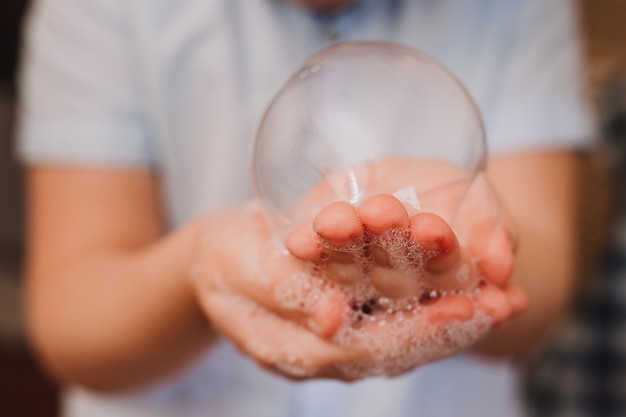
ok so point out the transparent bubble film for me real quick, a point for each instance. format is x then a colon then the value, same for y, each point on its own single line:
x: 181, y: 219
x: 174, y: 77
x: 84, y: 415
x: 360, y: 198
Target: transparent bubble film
x: 354, y: 106
x: 366, y: 118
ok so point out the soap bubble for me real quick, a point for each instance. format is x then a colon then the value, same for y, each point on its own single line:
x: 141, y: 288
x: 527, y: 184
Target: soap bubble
x: 364, y: 118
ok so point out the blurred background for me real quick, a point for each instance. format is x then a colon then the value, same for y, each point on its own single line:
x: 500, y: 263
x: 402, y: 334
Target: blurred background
x: 25, y: 391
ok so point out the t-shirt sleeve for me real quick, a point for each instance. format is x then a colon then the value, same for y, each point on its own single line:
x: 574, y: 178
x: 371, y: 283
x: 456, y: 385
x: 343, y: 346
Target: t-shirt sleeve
x: 539, y: 97
x: 80, y: 99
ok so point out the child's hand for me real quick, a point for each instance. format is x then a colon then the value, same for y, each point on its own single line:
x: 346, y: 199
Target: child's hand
x: 361, y: 291
x: 239, y: 275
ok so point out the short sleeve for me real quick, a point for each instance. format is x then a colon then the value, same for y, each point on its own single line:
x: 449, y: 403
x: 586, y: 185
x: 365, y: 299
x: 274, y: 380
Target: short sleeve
x: 539, y: 98
x: 79, y: 92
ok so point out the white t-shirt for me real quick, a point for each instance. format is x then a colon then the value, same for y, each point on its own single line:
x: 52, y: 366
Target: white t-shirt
x: 180, y: 85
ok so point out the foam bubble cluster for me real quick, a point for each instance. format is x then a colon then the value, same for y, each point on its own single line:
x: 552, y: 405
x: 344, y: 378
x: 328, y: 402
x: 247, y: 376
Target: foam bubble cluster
x: 400, y: 337
x: 395, y: 333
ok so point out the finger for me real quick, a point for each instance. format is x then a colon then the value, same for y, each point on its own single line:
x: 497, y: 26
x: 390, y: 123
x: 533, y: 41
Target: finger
x: 304, y: 244
x: 494, y: 302
x: 340, y: 266
x: 271, y: 340
x: 494, y: 255
x: 517, y: 297
x: 329, y: 241
x: 449, y: 268
x: 450, y: 307
x: 281, y: 284
x: 518, y: 300
x: 338, y: 223
x: 383, y: 212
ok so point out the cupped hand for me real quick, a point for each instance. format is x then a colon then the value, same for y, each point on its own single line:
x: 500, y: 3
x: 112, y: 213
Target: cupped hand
x: 362, y: 289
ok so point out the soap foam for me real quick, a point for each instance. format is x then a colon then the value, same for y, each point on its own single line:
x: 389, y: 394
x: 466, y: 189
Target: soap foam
x: 397, y: 343
x: 393, y: 333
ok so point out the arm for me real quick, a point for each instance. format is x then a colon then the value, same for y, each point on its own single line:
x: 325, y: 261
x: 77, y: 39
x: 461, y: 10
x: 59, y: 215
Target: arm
x: 541, y: 103
x: 538, y: 190
x: 108, y: 301
x: 129, y: 315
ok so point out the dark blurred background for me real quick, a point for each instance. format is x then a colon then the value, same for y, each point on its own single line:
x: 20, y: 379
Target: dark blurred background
x: 26, y: 392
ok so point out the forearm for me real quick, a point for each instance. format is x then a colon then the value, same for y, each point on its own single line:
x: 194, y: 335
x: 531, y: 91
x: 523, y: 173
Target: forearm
x: 117, y: 320
x: 544, y: 270
x: 108, y: 300
x: 539, y: 192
